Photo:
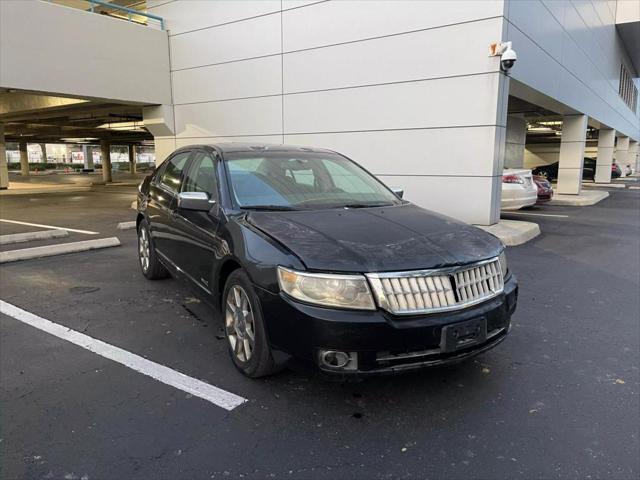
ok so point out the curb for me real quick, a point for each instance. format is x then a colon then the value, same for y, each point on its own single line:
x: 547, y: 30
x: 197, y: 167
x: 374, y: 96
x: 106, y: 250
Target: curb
x: 513, y: 232
x: 29, y: 236
x: 585, y: 199
x: 126, y: 225
x: 604, y: 185
x: 58, y: 249
x: 36, y: 191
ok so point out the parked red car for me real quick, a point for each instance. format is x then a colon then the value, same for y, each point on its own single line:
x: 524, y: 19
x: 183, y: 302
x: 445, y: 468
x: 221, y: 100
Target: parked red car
x: 545, y: 192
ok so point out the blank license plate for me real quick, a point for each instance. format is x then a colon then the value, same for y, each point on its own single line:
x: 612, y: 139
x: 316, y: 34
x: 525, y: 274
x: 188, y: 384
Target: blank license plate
x: 464, y: 334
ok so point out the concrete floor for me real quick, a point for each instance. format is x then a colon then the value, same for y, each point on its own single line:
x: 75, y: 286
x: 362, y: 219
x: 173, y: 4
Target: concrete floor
x: 558, y: 399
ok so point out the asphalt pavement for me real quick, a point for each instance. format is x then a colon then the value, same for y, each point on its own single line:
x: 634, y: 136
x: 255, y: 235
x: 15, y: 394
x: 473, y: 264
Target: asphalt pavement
x: 558, y: 399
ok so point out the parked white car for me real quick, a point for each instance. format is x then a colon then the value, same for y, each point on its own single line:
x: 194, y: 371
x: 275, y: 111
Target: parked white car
x: 518, y: 189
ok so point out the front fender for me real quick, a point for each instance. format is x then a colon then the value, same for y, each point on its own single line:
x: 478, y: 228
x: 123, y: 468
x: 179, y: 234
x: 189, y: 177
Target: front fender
x: 255, y: 252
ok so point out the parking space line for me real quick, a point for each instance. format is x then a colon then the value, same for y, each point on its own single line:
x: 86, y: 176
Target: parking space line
x: 535, y: 214
x: 86, y: 232
x: 166, y: 375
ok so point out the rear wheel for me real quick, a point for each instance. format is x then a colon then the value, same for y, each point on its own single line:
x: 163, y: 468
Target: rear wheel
x: 150, y: 265
x: 244, y: 328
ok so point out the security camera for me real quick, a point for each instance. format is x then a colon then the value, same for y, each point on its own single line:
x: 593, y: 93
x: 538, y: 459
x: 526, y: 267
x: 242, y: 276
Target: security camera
x: 508, y: 59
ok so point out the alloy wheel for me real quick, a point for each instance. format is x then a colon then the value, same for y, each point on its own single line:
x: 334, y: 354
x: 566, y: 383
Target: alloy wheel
x: 143, y: 249
x: 239, y: 323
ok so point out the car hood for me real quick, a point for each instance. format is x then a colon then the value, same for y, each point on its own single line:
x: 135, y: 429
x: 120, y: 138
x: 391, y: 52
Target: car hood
x: 404, y: 237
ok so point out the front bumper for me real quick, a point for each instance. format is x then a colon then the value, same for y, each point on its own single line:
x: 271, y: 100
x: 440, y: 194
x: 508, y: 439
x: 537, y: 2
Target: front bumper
x: 384, y: 343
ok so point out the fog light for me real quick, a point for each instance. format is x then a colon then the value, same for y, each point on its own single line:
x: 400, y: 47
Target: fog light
x: 338, y: 360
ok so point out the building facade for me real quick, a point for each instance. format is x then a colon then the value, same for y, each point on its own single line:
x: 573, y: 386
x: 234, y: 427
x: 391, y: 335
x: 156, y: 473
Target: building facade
x: 406, y: 88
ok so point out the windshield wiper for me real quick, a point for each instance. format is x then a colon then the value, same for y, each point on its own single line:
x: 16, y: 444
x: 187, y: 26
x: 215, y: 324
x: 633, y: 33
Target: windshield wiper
x: 269, y: 207
x: 365, y: 205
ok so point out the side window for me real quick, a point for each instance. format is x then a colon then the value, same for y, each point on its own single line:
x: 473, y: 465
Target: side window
x: 170, y: 176
x: 201, y: 176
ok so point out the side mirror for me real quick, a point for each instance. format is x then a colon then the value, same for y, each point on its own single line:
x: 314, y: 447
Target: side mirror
x: 398, y: 191
x: 198, y: 201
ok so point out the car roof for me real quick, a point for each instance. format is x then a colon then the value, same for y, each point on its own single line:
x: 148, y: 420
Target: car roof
x: 235, y: 147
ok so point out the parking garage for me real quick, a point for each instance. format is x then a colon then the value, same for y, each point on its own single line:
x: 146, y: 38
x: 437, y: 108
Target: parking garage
x: 104, y: 374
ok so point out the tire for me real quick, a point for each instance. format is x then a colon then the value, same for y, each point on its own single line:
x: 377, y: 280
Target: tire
x: 244, y: 331
x: 148, y: 260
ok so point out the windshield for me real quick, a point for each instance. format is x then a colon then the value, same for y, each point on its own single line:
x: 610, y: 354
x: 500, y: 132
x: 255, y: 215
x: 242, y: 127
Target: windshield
x: 303, y: 180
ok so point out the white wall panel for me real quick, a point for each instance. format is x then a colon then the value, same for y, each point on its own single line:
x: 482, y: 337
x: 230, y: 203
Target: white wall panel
x: 258, y: 139
x: 151, y: 4
x: 329, y: 23
x: 163, y: 148
x: 255, y: 116
x: 555, y: 7
x: 413, y: 152
x: 235, y: 41
x: 397, y: 58
x: 601, y: 8
x: 537, y: 22
x: 248, y: 78
x: 289, y: 4
x: 464, y: 198
x: 186, y: 15
x: 432, y: 103
x: 35, y: 36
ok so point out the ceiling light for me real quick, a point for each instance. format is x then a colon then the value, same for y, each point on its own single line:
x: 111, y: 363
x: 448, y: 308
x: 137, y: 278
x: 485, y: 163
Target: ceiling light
x: 124, y: 126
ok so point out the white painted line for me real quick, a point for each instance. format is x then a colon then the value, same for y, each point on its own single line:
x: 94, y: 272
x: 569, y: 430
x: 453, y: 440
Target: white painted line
x: 57, y: 249
x: 535, y: 214
x: 634, y: 188
x: 166, y: 375
x: 86, y: 232
x: 30, y: 236
x: 134, y: 205
x: 126, y: 225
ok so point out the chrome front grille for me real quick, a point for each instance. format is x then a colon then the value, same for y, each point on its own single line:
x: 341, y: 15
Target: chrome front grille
x: 428, y: 291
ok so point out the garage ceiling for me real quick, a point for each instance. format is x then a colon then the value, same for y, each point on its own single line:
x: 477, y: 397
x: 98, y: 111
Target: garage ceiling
x: 47, y: 119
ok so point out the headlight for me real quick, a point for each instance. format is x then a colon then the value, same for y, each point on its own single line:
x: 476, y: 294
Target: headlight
x: 503, y: 264
x: 343, y: 291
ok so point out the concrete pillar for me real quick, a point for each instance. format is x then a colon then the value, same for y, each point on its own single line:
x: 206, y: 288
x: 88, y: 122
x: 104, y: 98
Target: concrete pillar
x: 105, y: 149
x: 574, y: 133
x: 87, y: 153
x: 515, y: 142
x: 132, y: 158
x: 606, y: 142
x: 43, y: 147
x: 4, y: 169
x: 622, y: 153
x: 634, y: 159
x: 24, y: 159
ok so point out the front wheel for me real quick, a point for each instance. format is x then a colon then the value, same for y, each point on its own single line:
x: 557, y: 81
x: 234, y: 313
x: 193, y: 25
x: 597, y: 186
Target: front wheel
x: 244, y: 328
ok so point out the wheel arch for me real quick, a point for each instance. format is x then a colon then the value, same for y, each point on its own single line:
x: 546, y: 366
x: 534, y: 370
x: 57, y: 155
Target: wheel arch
x: 227, y: 267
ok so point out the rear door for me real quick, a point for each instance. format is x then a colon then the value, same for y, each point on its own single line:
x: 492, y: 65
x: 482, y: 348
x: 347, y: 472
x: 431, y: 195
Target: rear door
x: 197, y: 241
x: 163, y: 193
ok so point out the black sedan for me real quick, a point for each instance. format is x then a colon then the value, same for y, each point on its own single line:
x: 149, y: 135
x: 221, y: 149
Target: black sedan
x: 310, y: 258
x: 550, y: 172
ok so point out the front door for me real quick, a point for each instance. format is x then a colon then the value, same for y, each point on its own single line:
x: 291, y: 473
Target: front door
x: 198, y: 243
x: 163, y: 193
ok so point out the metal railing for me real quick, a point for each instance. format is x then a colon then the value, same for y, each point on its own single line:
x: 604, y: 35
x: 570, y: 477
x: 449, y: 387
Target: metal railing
x: 123, y: 13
